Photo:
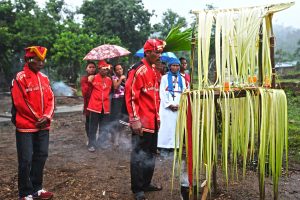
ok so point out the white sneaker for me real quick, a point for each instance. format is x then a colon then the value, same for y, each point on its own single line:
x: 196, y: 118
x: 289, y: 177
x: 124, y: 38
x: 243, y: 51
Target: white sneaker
x: 91, y: 149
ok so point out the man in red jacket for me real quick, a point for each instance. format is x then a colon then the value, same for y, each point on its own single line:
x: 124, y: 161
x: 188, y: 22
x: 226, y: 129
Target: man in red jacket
x: 33, y: 107
x: 99, y: 104
x: 142, y: 102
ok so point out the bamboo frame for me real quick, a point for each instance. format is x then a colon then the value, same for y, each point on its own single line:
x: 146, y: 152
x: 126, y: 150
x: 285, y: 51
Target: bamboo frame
x: 242, y: 93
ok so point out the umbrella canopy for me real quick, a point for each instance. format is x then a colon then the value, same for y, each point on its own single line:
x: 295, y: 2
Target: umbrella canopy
x: 165, y: 56
x: 106, y: 51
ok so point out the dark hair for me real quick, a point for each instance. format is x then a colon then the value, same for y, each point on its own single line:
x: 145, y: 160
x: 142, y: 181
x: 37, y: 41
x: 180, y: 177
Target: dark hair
x: 182, y: 58
x: 117, y: 65
x: 90, y: 62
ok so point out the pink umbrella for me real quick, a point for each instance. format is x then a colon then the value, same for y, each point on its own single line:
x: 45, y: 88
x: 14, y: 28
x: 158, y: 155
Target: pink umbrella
x: 106, y: 51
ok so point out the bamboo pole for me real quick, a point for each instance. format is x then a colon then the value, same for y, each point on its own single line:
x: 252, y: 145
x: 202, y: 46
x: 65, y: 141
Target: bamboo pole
x: 193, y: 44
x: 260, y: 79
x: 273, y: 62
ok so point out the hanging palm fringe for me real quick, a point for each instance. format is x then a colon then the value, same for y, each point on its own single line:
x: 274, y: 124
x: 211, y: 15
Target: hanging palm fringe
x: 239, y: 133
x: 253, y: 116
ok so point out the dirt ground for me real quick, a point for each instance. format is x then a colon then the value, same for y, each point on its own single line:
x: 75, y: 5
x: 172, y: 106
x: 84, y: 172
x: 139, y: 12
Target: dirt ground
x: 72, y: 172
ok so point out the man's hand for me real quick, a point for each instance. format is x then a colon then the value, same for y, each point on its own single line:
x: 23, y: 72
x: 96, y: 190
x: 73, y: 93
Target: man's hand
x: 136, y: 127
x: 42, y: 122
x: 91, y: 78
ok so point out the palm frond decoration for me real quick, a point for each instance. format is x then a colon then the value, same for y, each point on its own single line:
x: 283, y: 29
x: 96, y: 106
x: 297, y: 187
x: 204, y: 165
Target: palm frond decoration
x: 178, y: 40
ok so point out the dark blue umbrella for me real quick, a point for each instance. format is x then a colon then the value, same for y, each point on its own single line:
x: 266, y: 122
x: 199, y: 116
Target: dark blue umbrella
x: 165, y: 57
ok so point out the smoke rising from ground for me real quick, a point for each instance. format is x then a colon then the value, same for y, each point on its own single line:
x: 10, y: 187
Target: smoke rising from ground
x: 62, y: 89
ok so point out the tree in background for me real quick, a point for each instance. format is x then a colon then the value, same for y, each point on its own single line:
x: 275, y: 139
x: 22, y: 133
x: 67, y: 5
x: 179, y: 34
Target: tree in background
x: 297, y: 54
x: 128, y: 20
x: 7, y: 18
x: 25, y: 24
x: 69, y: 50
x: 282, y: 56
x: 170, y: 20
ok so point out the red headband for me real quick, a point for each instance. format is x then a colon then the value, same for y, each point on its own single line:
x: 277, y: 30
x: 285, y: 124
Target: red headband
x: 103, y: 65
x: 154, y: 45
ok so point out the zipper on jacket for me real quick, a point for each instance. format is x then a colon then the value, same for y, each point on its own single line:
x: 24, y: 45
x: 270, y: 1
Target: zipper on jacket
x: 42, y: 94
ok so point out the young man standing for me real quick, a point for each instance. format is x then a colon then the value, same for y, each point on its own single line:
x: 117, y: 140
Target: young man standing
x: 183, y: 68
x: 142, y: 102
x: 33, y: 107
x: 86, y: 89
x: 99, y: 104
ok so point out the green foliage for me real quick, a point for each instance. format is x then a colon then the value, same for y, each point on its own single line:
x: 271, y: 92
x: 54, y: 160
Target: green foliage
x: 126, y: 19
x: 69, y: 50
x: 178, y: 40
x: 293, y: 99
x: 170, y: 20
x: 23, y: 23
x: 297, y: 53
x: 7, y: 18
x: 282, y: 56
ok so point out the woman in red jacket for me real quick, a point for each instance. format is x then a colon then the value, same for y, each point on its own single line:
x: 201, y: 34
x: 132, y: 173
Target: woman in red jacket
x: 86, y: 89
x: 99, y: 104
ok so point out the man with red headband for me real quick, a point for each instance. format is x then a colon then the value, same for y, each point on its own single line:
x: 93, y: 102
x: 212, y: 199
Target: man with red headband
x: 33, y: 107
x: 99, y: 104
x: 142, y: 102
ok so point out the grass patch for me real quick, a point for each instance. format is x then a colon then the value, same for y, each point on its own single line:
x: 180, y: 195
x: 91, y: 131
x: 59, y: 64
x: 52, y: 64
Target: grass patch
x: 293, y: 125
x: 282, y: 80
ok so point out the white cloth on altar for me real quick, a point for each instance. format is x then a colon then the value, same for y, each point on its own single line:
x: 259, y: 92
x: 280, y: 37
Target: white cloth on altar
x: 166, y: 133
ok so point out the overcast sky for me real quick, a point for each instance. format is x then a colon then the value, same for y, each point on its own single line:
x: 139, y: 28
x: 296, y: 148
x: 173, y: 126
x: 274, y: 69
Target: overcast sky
x: 289, y: 17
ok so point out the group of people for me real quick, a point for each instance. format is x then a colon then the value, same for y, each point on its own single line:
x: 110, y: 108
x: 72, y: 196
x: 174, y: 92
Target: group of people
x: 103, y: 95
x: 150, y: 94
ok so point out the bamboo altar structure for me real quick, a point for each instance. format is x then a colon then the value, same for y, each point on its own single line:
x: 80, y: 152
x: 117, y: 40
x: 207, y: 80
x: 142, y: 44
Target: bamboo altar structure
x: 239, y: 96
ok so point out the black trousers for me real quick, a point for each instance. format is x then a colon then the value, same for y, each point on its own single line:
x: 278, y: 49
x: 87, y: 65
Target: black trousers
x: 142, y: 160
x: 32, y: 149
x: 87, y: 124
x: 97, y: 120
x: 116, y: 115
x: 116, y: 108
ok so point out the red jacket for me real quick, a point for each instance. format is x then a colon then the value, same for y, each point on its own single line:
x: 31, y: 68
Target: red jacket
x: 100, y: 95
x: 86, y: 89
x: 187, y: 79
x: 33, y: 98
x: 142, y: 96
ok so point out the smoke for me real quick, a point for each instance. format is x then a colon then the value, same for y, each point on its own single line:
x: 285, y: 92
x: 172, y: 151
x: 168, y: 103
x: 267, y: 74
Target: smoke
x: 61, y: 89
x: 114, y: 135
x: 141, y: 157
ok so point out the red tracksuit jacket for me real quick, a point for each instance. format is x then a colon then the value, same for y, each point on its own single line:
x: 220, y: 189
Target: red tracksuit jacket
x: 33, y: 98
x: 86, y: 89
x: 142, y: 96
x: 100, y: 95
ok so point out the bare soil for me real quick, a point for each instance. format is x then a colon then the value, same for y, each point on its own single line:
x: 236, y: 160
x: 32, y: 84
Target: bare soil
x: 72, y: 172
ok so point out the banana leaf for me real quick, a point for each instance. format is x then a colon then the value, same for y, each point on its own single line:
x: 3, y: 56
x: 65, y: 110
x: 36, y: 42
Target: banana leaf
x: 178, y: 40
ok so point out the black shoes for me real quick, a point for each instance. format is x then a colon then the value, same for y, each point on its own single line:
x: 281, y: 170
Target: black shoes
x: 149, y: 188
x: 152, y: 187
x: 140, y: 196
